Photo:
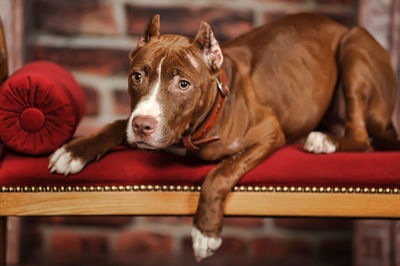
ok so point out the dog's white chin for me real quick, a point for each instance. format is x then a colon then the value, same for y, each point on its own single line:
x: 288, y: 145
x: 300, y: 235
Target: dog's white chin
x: 151, y: 145
x: 146, y: 146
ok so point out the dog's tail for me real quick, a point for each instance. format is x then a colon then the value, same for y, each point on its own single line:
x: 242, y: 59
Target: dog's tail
x: 385, y: 144
x: 387, y: 141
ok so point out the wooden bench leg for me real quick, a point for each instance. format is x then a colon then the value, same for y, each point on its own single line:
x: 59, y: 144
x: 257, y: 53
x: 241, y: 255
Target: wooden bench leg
x: 3, y: 240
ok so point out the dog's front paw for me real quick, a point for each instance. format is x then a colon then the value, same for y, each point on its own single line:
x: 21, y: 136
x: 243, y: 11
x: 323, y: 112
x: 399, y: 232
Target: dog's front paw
x: 204, y: 246
x: 63, y: 162
x: 318, y: 142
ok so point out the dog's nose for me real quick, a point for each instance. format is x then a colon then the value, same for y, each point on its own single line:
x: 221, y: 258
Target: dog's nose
x: 144, y: 125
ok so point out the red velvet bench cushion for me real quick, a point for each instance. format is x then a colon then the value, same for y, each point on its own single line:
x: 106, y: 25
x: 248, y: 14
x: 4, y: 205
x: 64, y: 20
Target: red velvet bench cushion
x: 287, y: 169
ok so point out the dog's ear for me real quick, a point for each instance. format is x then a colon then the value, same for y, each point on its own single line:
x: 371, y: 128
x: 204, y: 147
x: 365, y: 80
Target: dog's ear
x: 206, y: 41
x: 153, y: 30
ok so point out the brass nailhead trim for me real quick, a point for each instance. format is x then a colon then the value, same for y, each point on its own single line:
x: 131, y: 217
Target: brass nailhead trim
x: 314, y: 189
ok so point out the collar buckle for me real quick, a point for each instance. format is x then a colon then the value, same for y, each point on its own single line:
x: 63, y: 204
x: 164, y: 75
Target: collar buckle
x: 220, y: 86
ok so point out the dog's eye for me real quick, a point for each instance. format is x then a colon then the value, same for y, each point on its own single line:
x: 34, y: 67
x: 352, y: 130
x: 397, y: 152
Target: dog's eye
x: 137, y: 77
x: 184, y: 85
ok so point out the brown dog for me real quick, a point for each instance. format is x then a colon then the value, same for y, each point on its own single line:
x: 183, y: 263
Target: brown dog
x: 281, y: 78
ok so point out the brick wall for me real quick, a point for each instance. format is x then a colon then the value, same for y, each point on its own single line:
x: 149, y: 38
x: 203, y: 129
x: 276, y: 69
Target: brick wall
x: 166, y: 241
x: 93, y: 39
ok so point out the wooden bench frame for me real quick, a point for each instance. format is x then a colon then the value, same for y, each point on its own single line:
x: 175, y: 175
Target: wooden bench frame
x: 177, y: 200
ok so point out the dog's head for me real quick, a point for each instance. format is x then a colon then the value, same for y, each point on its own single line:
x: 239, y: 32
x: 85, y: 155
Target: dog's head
x: 171, y: 84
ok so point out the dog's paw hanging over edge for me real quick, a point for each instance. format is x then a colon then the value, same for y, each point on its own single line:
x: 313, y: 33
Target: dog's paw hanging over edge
x: 204, y: 246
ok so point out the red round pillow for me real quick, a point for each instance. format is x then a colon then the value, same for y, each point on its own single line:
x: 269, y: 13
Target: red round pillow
x: 40, y: 107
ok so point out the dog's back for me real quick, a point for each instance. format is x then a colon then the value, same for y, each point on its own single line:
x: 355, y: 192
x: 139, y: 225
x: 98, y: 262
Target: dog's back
x: 277, y: 51
x: 325, y: 52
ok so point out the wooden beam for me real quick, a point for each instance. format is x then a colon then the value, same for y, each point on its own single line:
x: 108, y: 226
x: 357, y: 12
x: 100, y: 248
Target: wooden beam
x: 3, y: 241
x: 3, y: 55
x: 185, y: 203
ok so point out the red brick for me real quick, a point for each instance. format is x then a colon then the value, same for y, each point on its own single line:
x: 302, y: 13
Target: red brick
x: 348, y: 20
x: 226, y: 23
x: 372, y: 242
x: 31, y: 238
x: 313, y: 223
x: 230, y: 246
x: 170, y: 219
x: 84, y: 129
x: 92, y: 101
x: 107, y: 221
x: 396, y: 241
x: 121, y: 102
x: 71, y: 242
x: 74, y: 17
x: 336, y: 251
x: 270, y: 16
x: 337, y: 1
x: 248, y: 222
x: 143, y: 242
x: 289, y: 1
x: 99, y: 61
x: 274, y: 247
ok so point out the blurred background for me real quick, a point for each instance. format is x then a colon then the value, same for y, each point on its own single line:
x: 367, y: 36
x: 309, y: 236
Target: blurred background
x: 92, y: 38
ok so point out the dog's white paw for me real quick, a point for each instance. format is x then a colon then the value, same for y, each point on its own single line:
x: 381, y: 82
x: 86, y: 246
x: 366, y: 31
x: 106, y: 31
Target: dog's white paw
x: 204, y: 246
x: 318, y: 142
x: 62, y: 162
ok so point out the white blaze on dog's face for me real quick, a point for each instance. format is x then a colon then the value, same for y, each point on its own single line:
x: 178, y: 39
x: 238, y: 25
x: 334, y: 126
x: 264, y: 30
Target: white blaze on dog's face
x: 171, y: 84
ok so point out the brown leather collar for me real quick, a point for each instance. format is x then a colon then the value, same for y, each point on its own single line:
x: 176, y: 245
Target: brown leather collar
x: 196, y: 139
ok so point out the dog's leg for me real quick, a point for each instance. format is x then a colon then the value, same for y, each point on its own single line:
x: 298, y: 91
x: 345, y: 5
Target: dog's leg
x: 72, y: 157
x: 220, y: 181
x: 369, y: 86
